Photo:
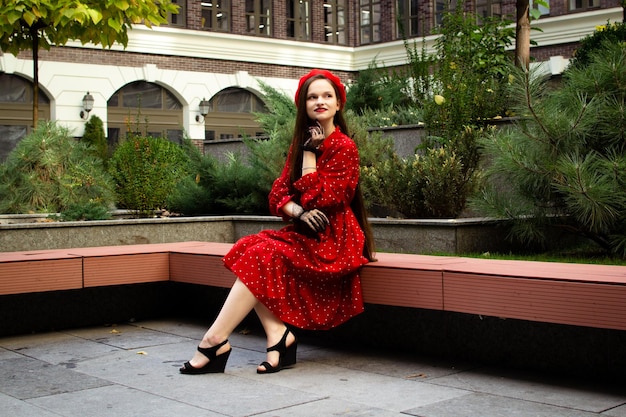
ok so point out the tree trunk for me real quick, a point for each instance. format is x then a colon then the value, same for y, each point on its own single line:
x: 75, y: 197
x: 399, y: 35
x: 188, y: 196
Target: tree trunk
x: 35, y: 36
x: 522, y: 34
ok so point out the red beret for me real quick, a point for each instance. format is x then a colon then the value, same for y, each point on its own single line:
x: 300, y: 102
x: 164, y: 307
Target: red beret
x: 328, y: 75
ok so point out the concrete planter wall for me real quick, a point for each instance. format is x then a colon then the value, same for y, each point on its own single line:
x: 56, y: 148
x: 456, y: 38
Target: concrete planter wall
x: 453, y: 236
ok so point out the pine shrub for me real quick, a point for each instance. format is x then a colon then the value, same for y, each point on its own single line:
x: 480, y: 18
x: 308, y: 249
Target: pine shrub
x: 562, y: 166
x: 49, y: 171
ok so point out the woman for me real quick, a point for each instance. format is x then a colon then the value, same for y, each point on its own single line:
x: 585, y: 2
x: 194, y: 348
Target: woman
x: 306, y: 274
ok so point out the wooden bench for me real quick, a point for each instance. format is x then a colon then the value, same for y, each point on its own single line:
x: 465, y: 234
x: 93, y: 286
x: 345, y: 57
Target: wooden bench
x: 571, y: 294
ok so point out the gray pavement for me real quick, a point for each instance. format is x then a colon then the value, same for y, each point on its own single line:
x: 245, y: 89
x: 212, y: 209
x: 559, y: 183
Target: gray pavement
x: 132, y: 370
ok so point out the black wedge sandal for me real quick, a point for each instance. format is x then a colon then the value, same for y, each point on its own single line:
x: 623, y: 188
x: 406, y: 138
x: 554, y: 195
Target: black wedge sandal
x: 216, y: 365
x: 287, y: 354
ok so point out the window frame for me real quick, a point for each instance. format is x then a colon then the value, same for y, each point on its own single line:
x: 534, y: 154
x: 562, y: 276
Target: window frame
x: 448, y: 6
x: 213, y: 10
x: 371, y: 29
x: 584, y: 5
x: 408, y: 18
x: 261, y: 12
x: 335, y: 28
x: 172, y: 19
x: 299, y: 25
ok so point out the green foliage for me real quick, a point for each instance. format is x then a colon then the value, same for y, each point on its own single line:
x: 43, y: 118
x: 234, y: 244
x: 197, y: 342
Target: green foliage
x: 146, y: 172
x: 377, y: 89
x: 471, y: 74
x: 563, y: 165
x: 611, y: 33
x: 49, y: 171
x: 454, y: 92
x: 229, y: 187
x: 391, y: 116
x: 95, y: 137
x: 87, y: 211
x: 432, y: 185
x: 56, y: 22
x: 267, y: 157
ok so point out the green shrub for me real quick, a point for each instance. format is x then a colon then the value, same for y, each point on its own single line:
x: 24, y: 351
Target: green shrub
x: 432, y: 185
x: 146, y: 171
x: 563, y: 165
x: 611, y: 33
x: 87, y: 211
x: 378, y: 89
x: 49, y: 171
x: 95, y: 137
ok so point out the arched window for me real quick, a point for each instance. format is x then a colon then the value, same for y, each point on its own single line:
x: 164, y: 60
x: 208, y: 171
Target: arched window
x: 144, y: 108
x: 16, y: 110
x: 231, y: 114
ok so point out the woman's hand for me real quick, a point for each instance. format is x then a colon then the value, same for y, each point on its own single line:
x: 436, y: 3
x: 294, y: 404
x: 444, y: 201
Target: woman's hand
x: 315, y: 219
x: 316, y: 138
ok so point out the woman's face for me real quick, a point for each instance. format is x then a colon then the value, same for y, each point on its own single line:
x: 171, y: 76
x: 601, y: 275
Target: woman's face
x: 321, y: 101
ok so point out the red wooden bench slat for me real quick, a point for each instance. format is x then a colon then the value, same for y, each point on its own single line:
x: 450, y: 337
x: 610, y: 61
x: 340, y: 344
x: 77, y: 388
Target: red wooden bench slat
x: 200, y: 269
x: 575, y: 303
x: 401, y: 287
x: 41, y: 275
x: 126, y: 269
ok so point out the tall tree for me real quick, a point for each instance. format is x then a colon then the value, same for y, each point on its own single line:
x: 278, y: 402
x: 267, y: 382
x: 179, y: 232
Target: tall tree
x: 34, y: 24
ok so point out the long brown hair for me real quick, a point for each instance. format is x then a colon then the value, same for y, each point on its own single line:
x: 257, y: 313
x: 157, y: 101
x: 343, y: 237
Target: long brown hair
x: 295, y: 159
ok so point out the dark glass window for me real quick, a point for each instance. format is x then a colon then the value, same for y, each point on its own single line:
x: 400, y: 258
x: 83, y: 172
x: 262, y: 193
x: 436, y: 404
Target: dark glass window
x: 258, y: 14
x: 488, y: 8
x: 441, y: 7
x: 335, y: 21
x: 178, y: 19
x: 408, y: 18
x: 216, y: 15
x: 299, y: 20
x: 583, y: 4
x: 369, y: 21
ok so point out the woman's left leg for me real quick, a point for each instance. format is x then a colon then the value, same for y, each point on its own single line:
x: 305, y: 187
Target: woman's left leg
x: 275, y: 330
x: 238, y: 305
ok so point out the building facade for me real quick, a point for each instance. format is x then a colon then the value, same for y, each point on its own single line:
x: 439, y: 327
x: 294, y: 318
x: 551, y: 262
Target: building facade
x: 216, y: 53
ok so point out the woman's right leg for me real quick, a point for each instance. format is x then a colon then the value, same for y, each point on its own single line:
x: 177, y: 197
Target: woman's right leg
x: 238, y: 305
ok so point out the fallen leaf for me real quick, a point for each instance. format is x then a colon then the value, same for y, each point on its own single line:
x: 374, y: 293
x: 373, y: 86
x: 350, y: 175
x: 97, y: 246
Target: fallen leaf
x: 142, y: 352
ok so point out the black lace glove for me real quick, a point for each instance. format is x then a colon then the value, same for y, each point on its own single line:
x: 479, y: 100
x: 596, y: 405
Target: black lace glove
x: 316, y: 137
x: 315, y: 219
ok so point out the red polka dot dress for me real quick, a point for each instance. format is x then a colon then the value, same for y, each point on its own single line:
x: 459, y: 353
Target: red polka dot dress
x: 309, y: 280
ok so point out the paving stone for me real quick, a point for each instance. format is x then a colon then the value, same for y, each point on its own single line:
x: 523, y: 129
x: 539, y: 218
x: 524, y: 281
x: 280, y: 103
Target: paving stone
x: 26, y: 378
x: 580, y: 395
x: 116, y: 401
x: 13, y: 407
x: 485, y: 405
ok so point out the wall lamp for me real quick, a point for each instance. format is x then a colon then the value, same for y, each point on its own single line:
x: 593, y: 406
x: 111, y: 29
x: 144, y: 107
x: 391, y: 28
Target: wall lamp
x: 87, y: 106
x: 204, y: 110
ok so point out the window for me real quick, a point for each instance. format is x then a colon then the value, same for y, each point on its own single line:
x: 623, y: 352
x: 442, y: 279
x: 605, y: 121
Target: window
x: 369, y: 21
x: 144, y: 108
x: 16, y: 110
x: 231, y: 114
x: 298, y: 20
x: 441, y: 8
x: 335, y: 21
x: 216, y: 15
x: 258, y: 17
x: 488, y: 8
x: 178, y: 19
x: 408, y: 18
x: 583, y: 4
